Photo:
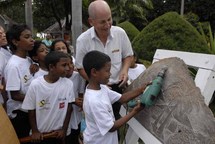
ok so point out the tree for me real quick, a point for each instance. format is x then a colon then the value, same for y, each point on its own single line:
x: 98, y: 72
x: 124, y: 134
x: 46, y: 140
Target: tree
x: 53, y: 10
x: 169, y: 31
x: 14, y: 9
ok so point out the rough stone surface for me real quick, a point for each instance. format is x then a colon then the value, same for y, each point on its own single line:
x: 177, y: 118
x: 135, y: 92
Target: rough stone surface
x: 179, y: 115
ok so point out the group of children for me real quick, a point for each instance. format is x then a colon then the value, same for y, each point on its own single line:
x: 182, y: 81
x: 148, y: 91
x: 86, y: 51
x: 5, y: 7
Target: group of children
x: 46, y: 93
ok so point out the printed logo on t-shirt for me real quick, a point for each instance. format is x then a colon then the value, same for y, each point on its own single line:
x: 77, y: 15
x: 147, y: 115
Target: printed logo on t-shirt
x: 26, y: 78
x: 44, y: 105
x: 61, y: 105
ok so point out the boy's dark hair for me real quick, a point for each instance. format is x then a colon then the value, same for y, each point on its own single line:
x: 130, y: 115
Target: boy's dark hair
x: 14, y: 33
x: 94, y: 59
x: 54, y: 57
x: 59, y: 40
x: 36, y: 46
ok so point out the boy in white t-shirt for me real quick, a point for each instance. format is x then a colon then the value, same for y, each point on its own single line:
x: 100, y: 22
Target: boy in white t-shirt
x: 101, y: 125
x: 18, y: 76
x: 79, y: 87
x: 49, y: 101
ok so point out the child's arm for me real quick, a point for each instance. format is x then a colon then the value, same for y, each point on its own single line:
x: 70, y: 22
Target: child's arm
x: 4, y: 93
x: 79, y: 100
x: 16, y: 95
x: 126, y: 118
x: 36, y: 135
x: 132, y: 94
x: 61, y: 134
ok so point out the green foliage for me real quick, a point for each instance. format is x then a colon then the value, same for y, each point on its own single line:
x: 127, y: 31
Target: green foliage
x: 208, y: 35
x: 169, y: 31
x: 130, y: 29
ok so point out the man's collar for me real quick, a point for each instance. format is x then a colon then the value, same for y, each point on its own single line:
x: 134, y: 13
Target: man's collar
x: 94, y: 35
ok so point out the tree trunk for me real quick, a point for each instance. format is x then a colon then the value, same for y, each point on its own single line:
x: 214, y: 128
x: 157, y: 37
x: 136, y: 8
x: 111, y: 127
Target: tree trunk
x: 76, y: 21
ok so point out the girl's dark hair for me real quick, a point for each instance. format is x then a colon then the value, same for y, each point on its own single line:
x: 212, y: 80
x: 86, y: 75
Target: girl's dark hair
x: 94, y: 59
x: 36, y: 46
x: 54, y: 57
x: 14, y: 33
x: 59, y: 40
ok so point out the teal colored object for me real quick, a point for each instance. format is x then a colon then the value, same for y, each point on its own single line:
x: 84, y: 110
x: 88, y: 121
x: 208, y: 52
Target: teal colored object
x: 83, y: 125
x: 148, y: 97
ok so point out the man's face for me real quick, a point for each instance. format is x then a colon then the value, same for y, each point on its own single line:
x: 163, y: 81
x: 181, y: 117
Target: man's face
x: 102, y: 23
x: 3, y: 40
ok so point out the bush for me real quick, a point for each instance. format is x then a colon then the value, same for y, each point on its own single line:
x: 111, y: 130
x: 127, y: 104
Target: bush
x: 130, y: 29
x: 169, y: 31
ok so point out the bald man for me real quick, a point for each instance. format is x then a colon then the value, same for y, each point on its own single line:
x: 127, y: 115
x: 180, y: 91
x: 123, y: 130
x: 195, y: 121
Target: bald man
x: 111, y: 40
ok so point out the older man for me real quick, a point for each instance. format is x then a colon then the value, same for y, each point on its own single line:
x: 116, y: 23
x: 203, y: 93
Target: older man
x: 111, y: 40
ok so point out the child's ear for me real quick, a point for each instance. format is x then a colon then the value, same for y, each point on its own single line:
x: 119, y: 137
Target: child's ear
x: 15, y: 42
x: 51, y: 67
x: 93, y: 72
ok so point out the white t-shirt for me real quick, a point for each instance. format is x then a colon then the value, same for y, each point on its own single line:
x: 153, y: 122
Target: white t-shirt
x: 3, y: 62
x: 79, y: 87
x: 4, y: 57
x: 117, y: 47
x: 99, y: 116
x: 41, y: 72
x: 133, y: 73
x: 50, y: 100
x: 18, y: 78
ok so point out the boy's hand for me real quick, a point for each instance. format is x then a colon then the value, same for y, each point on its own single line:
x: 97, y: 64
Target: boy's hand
x: 34, y: 68
x: 61, y: 134
x: 36, y: 137
x: 138, y: 107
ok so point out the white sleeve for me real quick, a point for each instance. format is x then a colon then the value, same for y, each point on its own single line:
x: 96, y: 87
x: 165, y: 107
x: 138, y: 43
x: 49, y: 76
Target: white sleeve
x: 80, y: 53
x: 72, y: 93
x: 29, y: 102
x: 13, y: 82
x: 126, y: 46
x: 113, y: 96
x: 103, y: 117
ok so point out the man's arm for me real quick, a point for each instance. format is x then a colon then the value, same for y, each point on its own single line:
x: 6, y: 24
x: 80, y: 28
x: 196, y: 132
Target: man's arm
x: 123, y: 76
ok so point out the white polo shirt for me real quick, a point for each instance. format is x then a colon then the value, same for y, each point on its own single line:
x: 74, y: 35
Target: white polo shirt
x: 118, y: 47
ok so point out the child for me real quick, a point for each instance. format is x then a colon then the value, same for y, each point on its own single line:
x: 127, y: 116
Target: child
x: 49, y: 100
x: 79, y: 86
x: 98, y: 99
x: 61, y: 45
x: 135, y: 69
x: 4, y: 57
x: 18, y: 76
x: 37, y: 54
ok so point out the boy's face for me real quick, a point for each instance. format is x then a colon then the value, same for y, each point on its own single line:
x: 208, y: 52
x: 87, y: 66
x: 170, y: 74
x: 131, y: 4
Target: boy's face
x: 71, y: 68
x: 104, y: 74
x: 62, y: 67
x: 42, y: 51
x: 26, y: 41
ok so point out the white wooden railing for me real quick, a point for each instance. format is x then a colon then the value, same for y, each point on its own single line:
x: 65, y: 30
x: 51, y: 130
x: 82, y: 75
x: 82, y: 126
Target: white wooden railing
x: 205, y: 80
